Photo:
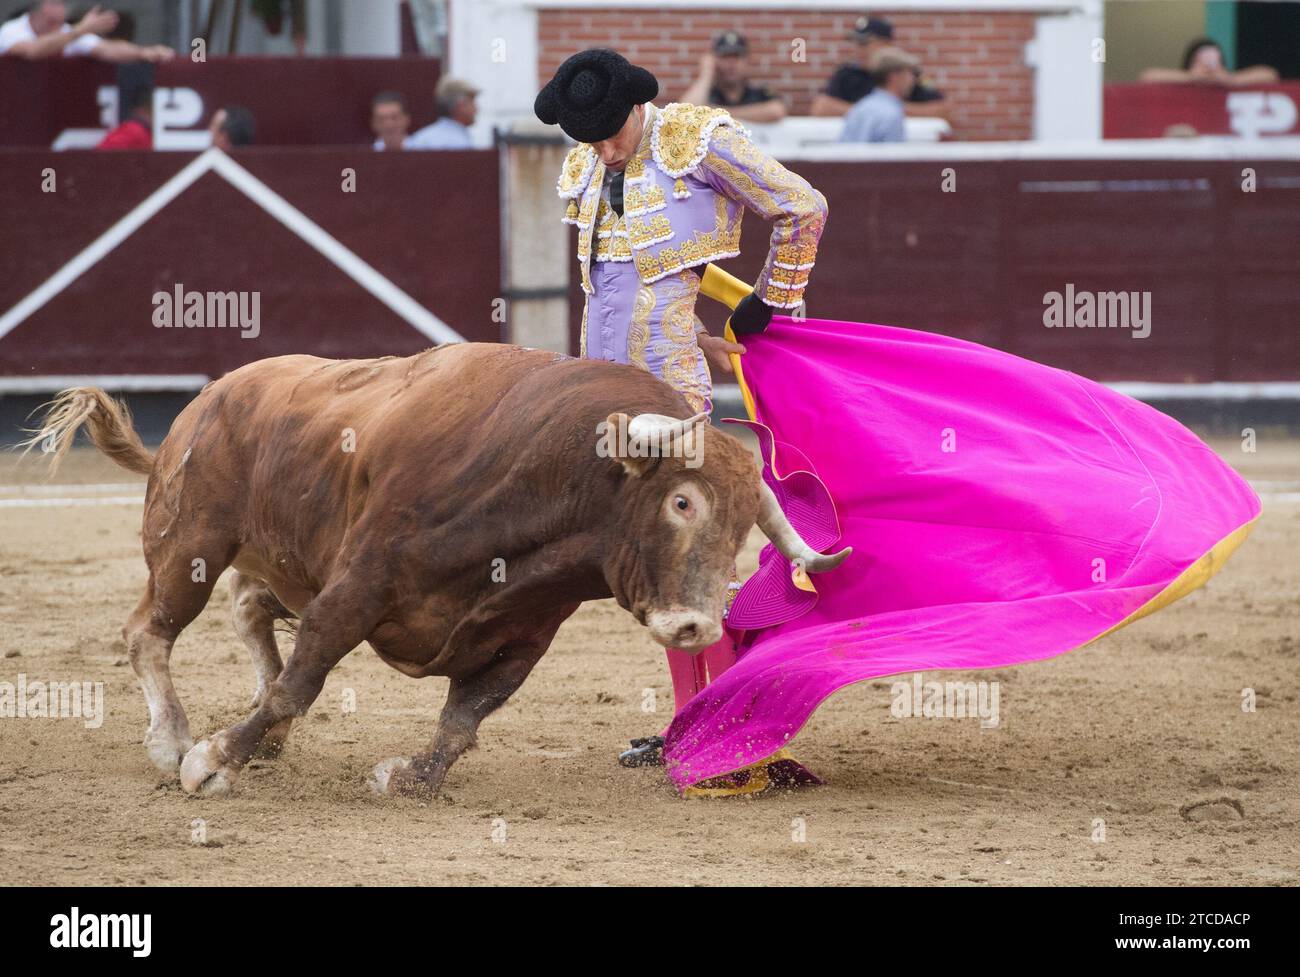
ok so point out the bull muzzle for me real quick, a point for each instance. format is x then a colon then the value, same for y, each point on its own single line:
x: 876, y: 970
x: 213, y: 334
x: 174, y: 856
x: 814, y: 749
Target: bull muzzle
x: 683, y: 628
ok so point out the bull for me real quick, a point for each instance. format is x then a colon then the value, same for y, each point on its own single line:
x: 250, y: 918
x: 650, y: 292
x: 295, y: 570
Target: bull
x: 451, y: 509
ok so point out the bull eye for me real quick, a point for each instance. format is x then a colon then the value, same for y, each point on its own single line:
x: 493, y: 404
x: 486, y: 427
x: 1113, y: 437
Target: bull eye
x: 682, y: 503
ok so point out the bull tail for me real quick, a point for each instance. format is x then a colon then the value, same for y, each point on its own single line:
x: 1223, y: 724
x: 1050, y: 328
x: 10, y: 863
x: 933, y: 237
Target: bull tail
x: 107, y: 421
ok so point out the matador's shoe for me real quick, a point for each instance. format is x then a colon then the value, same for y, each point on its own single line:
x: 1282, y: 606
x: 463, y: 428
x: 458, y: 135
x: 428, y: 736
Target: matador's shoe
x: 647, y: 751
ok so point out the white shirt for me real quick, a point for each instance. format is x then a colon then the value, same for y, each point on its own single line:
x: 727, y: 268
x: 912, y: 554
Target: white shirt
x: 446, y: 133
x: 20, y: 29
x: 406, y: 144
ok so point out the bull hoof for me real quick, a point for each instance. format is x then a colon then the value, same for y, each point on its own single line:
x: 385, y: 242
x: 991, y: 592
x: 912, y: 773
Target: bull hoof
x: 403, y: 777
x: 166, y: 750
x: 382, y: 776
x: 204, y: 773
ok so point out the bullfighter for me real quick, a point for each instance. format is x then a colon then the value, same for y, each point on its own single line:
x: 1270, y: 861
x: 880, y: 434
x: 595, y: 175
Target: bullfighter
x: 656, y: 193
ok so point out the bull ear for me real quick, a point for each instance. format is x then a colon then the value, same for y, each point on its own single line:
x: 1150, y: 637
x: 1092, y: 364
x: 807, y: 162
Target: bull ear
x: 614, y: 442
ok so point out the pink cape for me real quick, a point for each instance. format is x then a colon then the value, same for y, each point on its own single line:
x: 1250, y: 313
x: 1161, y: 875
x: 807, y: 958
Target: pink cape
x: 1000, y: 511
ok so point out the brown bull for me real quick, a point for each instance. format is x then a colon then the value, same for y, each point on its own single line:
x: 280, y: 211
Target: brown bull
x: 451, y: 509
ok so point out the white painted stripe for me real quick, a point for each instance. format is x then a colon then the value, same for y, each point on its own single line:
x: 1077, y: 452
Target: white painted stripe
x: 346, y: 260
x: 854, y: 6
x: 295, y: 220
x: 59, y: 503
x: 106, y: 242
x: 126, y: 383
x: 1264, y: 390
x: 89, y: 488
x: 1199, y: 184
x: 1203, y: 148
x: 93, y: 488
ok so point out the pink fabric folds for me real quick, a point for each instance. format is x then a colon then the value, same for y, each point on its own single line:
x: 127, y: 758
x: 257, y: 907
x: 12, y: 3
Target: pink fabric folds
x: 1000, y: 511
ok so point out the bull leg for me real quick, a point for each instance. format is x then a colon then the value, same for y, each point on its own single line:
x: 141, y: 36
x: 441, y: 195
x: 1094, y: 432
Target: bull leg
x: 254, y: 610
x: 331, y: 626
x: 172, y: 599
x: 469, y: 701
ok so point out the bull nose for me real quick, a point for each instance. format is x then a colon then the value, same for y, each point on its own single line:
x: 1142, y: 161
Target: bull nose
x: 682, y: 628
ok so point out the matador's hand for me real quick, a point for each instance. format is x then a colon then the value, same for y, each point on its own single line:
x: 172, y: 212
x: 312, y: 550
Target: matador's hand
x: 718, y: 351
x: 750, y: 316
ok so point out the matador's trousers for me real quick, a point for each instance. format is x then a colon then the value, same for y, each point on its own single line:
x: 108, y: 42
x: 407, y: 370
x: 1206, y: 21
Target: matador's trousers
x: 653, y: 327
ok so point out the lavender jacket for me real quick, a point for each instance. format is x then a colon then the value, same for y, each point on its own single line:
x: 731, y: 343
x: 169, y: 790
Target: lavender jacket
x: 685, y: 192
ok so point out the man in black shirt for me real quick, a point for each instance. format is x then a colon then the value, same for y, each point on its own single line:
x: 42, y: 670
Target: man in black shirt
x: 723, y: 81
x: 852, y: 82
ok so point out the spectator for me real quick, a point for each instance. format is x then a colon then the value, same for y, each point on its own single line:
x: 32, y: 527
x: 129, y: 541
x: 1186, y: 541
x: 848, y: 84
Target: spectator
x: 852, y: 82
x: 43, y: 32
x: 136, y: 132
x: 232, y: 126
x: 724, y: 81
x: 390, y: 121
x: 124, y: 31
x: 879, y: 116
x: 456, y: 110
x: 1203, y: 64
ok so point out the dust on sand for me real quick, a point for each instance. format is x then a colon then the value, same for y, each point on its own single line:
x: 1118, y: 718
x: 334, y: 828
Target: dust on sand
x: 1142, y: 735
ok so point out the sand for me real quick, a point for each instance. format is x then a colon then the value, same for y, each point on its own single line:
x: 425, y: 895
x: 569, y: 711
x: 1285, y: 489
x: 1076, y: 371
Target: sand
x: 1129, y: 762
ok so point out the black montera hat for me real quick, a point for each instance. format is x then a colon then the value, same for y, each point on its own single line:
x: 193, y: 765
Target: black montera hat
x: 592, y: 93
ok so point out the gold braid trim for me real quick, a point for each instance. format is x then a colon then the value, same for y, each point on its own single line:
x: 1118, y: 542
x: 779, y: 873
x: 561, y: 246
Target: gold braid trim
x: 680, y: 139
x: 576, y: 172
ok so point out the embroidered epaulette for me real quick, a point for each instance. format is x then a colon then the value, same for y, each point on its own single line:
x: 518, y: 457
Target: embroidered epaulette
x: 575, y: 174
x: 575, y: 177
x: 680, y: 140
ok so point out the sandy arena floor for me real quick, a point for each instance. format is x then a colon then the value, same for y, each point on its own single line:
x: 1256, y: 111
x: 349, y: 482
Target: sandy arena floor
x: 1144, y: 730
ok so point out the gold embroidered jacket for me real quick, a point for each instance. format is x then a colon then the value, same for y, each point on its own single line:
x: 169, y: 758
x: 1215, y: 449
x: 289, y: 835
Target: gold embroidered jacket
x: 685, y: 192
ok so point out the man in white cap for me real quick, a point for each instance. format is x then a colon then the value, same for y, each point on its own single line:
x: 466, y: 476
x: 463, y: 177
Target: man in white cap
x: 879, y: 116
x: 457, y: 110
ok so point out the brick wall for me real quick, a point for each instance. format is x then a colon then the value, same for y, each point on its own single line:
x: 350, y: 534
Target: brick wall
x: 977, y: 59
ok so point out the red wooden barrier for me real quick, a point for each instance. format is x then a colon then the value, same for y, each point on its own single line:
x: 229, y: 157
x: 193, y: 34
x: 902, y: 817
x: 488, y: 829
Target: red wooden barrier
x: 1220, y: 264
x: 426, y: 223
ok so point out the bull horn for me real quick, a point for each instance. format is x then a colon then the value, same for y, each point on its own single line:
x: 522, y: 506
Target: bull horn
x: 660, y: 426
x: 786, y: 538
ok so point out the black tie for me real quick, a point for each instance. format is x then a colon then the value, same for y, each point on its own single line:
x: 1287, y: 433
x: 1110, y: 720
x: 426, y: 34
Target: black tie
x: 616, y: 193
